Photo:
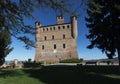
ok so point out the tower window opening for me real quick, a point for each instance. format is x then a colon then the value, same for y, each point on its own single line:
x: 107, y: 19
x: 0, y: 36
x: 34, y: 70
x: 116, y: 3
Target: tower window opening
x: 64, y: 46
x: 54, y: 46
x: 54, y: 28
x: 51, y: 29
x: 59, y: 27
x: 63, y: 27
x: 42, y: 47
x: 68, y: 26
x: 47, y: 29
x: 43, y: 29
x: 45, y: 38
x: 52, y: 37
x: 63, y: 36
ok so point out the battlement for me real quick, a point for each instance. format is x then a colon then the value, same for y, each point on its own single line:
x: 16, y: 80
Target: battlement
x: 60, y: 19
x: 56, y: 42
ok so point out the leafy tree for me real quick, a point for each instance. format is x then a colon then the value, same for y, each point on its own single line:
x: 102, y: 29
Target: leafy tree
x: 13, y: 13
x: 5, y: 41
x: 103, y: 22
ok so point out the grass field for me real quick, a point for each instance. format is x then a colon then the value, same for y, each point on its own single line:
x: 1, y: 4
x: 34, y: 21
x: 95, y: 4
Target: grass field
x: 62, y: 75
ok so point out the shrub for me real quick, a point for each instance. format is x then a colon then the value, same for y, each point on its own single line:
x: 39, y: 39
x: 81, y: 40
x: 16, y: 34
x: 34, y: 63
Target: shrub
x: 73, y: 60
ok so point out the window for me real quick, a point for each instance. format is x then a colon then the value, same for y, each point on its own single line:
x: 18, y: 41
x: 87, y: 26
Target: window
x: 63, y: 27
x: 54, y: 46
x: 42, y: 47
x: 45, y: 38
x: 47, y: 29
x: 51, y: 29
x: 59, y: 27
x: 63, y: 36
x: 64, y: 46
x: 54, y: 28
x: 43, y: 29
x: 68, y: 26
x: 52, y: 37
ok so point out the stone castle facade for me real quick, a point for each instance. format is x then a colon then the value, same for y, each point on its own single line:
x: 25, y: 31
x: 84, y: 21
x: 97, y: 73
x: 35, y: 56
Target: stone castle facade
x: 56, y: 42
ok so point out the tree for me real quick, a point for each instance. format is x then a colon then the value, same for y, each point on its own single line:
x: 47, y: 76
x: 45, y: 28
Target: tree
x: 13, y: 13
x: 5, y: 41
x: 103, y: 22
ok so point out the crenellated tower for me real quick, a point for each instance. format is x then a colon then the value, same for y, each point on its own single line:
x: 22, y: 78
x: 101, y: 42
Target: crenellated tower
x: 60, y: 19
x: 74, y: 30
x: 56, y: 42
x: 37, y: 25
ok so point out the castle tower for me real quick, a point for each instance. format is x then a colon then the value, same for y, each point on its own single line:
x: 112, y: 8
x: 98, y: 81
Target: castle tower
x: 56, y: 42
x: 60, y: 19
x: 74, y: 27
x: 37, y: 25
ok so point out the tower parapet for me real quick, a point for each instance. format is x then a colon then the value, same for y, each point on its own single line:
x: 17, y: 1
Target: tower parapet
x: 60, y: 19
x: 37, y: 25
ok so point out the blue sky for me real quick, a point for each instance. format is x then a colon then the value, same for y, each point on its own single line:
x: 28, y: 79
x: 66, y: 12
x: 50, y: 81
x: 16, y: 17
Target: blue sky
x: 48, y: 18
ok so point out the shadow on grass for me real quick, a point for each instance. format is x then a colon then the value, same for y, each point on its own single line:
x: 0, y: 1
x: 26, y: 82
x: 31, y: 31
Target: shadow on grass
x: 75, y: 74
x: 10, y: 72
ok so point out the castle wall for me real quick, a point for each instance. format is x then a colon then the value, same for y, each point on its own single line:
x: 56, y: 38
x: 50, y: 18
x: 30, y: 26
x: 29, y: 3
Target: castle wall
x: 55, y: 43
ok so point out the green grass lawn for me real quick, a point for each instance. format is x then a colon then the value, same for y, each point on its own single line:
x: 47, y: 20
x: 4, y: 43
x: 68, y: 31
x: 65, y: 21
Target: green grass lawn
x: 62, y: 75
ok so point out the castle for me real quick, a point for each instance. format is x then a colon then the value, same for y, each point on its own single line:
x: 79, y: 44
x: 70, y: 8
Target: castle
x: 56, y: 42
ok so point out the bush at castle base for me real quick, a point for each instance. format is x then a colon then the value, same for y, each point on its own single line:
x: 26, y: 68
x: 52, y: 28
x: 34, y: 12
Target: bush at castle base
x: 73, y: 60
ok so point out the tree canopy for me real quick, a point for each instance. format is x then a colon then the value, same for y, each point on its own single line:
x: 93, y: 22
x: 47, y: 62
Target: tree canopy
x: 103, y: 22
x: 13, y: 13
x: 5, y: 41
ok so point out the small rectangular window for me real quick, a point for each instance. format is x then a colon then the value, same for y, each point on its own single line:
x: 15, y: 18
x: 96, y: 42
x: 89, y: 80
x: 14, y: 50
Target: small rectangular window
x: 42, y: 47
x: 64, y: 46
x: 59, y: 27
x: 63, y: 36
x: 54, y: 46
x: 52, y: 37
x: 67, y: 26
x: 45, y: 38
x: 63, y: 27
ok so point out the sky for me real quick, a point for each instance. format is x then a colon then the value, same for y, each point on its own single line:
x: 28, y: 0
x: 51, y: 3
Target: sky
x: 48, y: 18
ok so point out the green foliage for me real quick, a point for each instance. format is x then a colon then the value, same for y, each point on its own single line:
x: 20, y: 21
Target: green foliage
x: 73, y: 60
x: 103, y: 22
x: 29, y: 60
x: 14, y: 12
x: 5, y: 41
